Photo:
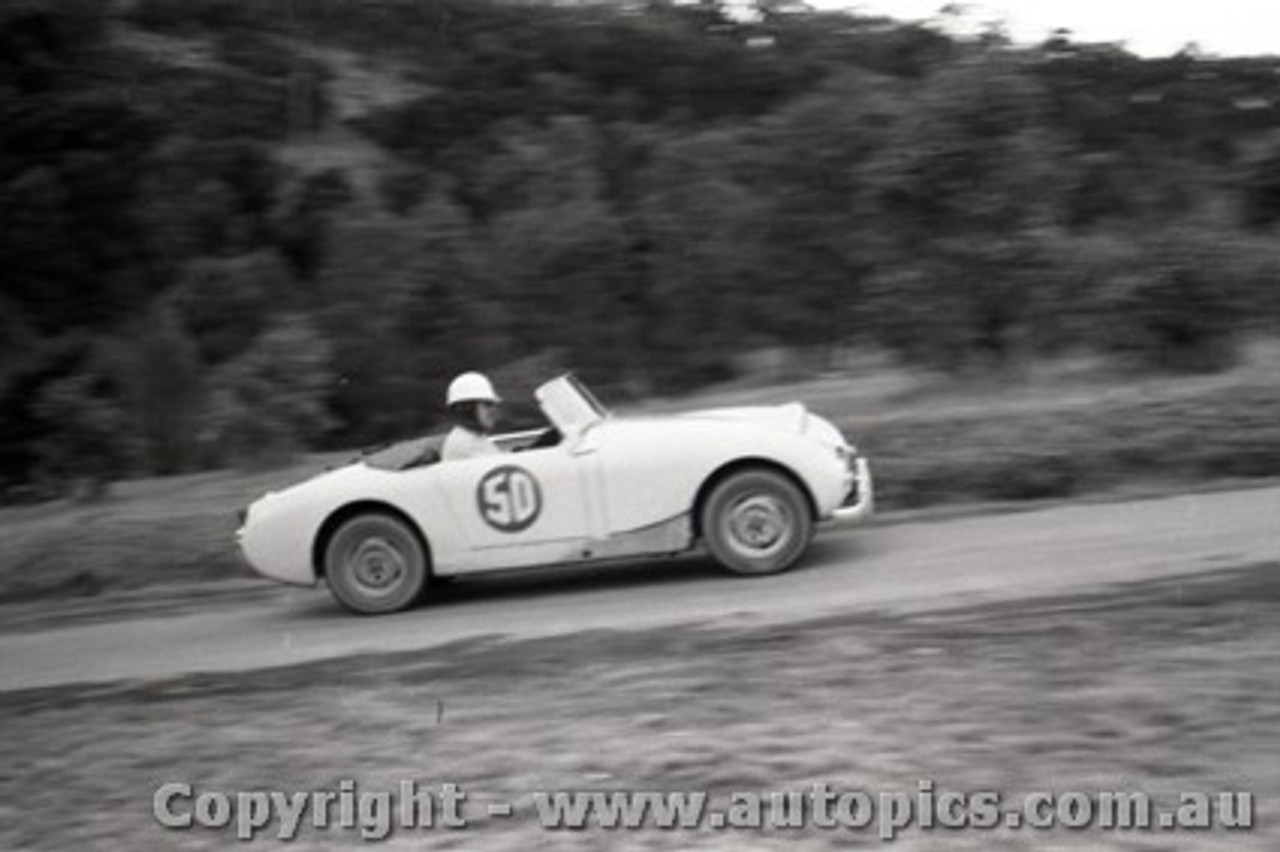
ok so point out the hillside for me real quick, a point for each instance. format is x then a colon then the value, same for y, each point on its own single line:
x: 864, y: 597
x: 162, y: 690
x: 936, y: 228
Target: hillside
x: 234, y: 231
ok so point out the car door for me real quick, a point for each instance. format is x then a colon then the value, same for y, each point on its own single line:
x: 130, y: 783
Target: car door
x: 518, y: 509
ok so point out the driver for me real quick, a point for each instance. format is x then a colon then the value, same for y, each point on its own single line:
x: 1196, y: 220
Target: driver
x: 474, y: 408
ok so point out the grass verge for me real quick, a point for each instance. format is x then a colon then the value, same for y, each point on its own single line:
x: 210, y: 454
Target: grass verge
x: 1086, y: 446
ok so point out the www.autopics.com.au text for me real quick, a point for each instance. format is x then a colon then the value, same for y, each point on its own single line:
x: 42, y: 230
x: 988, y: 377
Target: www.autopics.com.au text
x: 375, y: 814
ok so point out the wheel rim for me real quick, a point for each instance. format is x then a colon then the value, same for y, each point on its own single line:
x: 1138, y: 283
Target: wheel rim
x: 759, y: 526
x: 376, y: 566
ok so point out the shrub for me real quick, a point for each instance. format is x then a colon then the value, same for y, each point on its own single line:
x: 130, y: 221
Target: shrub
x: 270, y: 401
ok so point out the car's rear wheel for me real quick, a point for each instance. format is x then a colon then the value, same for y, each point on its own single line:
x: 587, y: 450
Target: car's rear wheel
x: 756, y: 521
x: 375, y: 563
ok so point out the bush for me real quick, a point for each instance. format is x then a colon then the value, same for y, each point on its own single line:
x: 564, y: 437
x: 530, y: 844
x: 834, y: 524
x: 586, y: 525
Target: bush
x: 222, y: 304
x: 165, y: 394
x: 270, y: 402
x: 1176, y: 318
x: 1183, y: 296
x: 87, y: 440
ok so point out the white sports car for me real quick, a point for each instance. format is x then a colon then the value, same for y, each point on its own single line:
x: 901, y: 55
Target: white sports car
x: 748, y: 483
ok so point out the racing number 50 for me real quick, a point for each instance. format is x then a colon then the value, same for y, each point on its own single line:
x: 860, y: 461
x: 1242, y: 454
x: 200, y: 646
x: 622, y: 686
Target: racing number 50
x: 509, y: 498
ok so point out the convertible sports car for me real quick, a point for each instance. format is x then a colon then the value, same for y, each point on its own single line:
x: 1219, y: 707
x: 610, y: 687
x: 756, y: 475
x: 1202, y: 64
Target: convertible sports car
x: 747, y: 483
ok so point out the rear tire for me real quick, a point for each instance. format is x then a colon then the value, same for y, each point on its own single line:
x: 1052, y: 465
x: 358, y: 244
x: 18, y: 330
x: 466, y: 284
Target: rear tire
x: 376, y: 564
x: 756, y: 522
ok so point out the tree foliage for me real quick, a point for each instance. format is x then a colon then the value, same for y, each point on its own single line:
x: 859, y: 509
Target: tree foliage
x: 270, y: 401
x: 234, y: 229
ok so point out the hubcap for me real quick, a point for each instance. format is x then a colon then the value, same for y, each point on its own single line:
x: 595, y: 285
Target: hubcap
x: 377, y: 566
x: 759, y: 526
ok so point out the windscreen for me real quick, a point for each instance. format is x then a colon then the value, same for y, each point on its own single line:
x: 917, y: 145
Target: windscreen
x: 569, y: 405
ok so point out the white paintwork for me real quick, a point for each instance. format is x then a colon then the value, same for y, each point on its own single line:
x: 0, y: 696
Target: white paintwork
x: 596, y: 491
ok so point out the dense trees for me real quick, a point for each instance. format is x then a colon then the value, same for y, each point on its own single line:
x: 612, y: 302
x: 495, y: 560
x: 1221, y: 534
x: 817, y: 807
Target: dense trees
x: 229, y: 230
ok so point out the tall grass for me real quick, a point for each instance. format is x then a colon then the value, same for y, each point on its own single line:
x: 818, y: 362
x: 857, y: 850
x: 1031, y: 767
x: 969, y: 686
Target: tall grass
x: 1095, y: 444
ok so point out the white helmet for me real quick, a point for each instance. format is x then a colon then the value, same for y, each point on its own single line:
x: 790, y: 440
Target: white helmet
x: 471, y: 387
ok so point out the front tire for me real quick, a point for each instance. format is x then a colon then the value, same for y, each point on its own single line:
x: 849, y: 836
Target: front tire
x: 376, y: 564
x: 756, y: 522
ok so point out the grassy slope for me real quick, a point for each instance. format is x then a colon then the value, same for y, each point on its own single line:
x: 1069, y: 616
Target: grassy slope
x: 1159, y: 687
x: 930, y: 442
x: 1055, y: 431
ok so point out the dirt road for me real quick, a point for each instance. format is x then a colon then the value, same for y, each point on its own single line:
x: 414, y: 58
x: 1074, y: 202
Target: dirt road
x: 904, y: 566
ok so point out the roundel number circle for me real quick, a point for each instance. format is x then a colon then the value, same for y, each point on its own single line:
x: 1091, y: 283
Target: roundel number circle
x: 509, y: 498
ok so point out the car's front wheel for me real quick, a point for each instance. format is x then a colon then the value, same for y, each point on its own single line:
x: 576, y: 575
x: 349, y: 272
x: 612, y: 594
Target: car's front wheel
x: 375, y: 564
x: 756, y: 521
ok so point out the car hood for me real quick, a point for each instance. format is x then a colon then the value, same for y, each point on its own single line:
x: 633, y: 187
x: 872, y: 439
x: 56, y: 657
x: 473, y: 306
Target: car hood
x: 791, y: 417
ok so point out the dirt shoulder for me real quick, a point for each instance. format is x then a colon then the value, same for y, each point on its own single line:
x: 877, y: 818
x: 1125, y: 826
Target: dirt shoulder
x: 1159, y: 687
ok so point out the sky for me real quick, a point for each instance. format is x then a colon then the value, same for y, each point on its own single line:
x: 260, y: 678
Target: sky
x: 1220, y: 27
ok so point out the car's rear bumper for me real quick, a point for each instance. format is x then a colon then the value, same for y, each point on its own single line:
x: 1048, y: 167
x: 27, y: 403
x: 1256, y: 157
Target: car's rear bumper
x: 859, y: 501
